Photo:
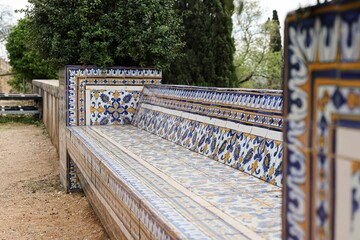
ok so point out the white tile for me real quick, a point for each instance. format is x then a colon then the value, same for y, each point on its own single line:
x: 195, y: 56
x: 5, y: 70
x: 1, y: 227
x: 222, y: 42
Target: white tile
x: 146, y: 106
x: 193, y: 117
x: 347, y: 144
x: 202, y: 119
x: 220, y: 123
x: 211, y: 121
x: 232, y: 125
x: 157, y: 108
x: 244, y: 128
x: 177, y: 113
x: 170, y: 111
x: 343, y: 200
x: 258, y: 131
x: 274, y: 135
x: 87, y: 108
x: 118, y: 88
x: 151, y: 107
x: 185, y: 115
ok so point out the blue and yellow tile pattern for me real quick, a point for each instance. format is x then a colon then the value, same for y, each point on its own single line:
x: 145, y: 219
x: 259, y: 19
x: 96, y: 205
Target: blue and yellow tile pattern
x: 322, y: 88
x: 255, y: 155
x: 111, y: 107
x: 209, y: 204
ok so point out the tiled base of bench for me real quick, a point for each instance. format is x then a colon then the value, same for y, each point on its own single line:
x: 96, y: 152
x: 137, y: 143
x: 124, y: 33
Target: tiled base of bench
x: 159, y: 189
x: 115, y: 229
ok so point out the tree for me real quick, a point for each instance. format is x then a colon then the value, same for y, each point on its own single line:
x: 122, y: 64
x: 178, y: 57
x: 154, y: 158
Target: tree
x: 275, y: 37
x: 106, y: 33
x: 207, y: 58
x: 256, y: 65
x: 24, y: 59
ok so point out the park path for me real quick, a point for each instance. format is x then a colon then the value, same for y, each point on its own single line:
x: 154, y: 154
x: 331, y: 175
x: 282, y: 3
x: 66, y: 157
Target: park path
x: 33, y: 205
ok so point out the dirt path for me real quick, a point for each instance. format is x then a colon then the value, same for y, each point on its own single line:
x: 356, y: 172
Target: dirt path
x: 33, y: 205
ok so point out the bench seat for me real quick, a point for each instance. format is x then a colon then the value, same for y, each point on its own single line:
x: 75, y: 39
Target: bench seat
x: 158, y: 189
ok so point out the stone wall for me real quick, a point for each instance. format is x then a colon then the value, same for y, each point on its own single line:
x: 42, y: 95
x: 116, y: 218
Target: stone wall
x: 49, y: 90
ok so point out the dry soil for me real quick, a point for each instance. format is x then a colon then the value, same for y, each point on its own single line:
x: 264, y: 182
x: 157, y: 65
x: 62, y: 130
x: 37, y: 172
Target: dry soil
x: 33, y: 204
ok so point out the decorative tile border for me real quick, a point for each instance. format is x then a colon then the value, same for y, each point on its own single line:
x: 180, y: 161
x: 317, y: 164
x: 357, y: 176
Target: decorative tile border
x: 249, y: 107
x: 78, y: 78
x: 322, y: 89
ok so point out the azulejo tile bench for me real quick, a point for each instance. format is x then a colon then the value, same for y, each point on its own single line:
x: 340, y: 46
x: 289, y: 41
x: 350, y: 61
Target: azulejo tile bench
x: 174, y: 162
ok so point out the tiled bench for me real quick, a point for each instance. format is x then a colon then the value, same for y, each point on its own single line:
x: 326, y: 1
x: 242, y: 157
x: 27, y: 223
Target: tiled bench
x: 195, y: 163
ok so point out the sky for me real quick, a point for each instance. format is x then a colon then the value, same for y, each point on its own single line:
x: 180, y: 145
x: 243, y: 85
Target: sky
x: 14, y: 4
x: 282, y: 7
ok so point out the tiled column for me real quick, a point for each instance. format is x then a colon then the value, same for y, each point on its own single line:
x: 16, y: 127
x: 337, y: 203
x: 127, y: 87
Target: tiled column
x: 322, y: 122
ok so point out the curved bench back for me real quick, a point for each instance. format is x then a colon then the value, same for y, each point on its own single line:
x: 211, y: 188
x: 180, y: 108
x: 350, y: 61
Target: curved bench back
x: 240, y: 128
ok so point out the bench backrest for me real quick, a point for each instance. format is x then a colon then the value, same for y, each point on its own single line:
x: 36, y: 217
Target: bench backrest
x: 240, y: 128
x: 104, y: 97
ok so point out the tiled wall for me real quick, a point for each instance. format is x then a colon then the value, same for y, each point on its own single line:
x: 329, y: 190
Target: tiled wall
x: 111, y: 107
x: 322, y: 123
x: 103, y: 97
x: 80, y: 82
x: 239, y: 128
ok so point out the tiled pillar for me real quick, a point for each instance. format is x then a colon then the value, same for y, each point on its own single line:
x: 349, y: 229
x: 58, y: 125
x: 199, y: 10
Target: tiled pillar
x: 322, y: 122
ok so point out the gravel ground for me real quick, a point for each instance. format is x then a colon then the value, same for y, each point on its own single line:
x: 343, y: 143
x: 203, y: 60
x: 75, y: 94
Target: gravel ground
x: 33, y: 204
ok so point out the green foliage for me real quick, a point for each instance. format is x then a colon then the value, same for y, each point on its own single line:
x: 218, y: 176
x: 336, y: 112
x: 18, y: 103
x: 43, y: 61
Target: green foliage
x: 207, y: 58
x: 24, y: 59
x: 257, y: 65
x: 8, y: 121
x: 17, y: 85
x: 275, y: 37
x: 229, y: 5
x: 106, y: 33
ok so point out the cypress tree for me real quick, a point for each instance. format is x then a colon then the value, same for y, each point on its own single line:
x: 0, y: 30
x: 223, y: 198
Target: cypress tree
x: 207, y: 58
x: 275, y: 38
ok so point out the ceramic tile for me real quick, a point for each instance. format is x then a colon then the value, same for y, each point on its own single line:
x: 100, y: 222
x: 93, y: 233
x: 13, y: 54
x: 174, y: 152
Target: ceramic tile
x: 259, y: 131
x: 78, y: 78
x: 177, y: 119
x: 244, y: 128
x: 314, y: 131
x: 348, y: 148
x: 156, y: 191
x: 220, y: 123
x: 275, y: 135
x: 232, y: 125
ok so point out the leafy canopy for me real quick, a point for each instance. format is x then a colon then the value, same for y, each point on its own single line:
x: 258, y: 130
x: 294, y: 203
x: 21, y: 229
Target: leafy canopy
x: 106, y: 33
x: 258, y: 59
x: 24, y: 59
